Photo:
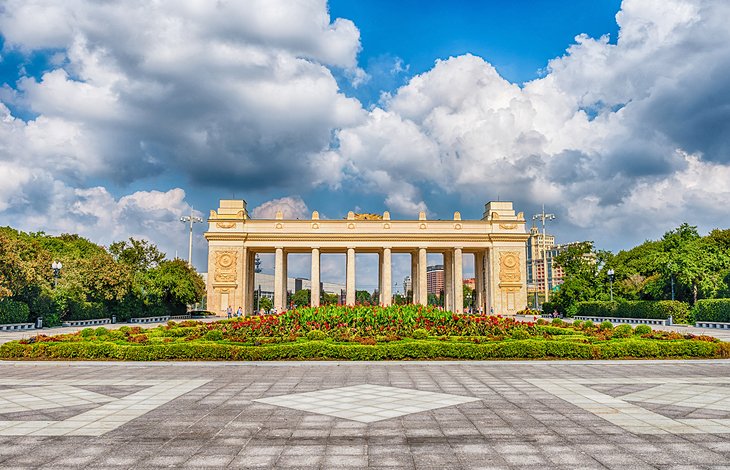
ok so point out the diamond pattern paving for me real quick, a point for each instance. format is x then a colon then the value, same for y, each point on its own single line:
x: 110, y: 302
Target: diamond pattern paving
x: 366, y: 403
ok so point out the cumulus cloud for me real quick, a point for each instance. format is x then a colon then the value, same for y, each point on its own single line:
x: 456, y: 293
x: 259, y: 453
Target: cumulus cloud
x: 229, y: 94
x: 600, y: 134
x: 292, y: 207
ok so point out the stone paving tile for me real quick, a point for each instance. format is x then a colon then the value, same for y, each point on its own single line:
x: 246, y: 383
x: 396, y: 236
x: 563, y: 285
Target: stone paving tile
x: 515, y: 424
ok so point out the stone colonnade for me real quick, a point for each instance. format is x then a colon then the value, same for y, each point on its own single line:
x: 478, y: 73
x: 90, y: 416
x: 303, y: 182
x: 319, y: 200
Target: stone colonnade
x: 497, y: 242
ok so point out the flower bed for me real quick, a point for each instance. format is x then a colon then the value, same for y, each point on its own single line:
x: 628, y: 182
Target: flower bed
x: 366, y: 333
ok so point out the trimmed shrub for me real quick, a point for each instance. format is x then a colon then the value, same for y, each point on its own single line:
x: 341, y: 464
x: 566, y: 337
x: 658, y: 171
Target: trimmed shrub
x: 717, y: 310
x: 596, y: 309
x: 12, y: 311
x: 587, y: 325
x: 527, y: 349
x: 214, y: 335
x: 557, y: 322
x: 316, y: 335
x: 520, y: 334
x: 87, y: 332
x: 654, y: 310
x: 605, y: 326
x: 420, y: 333
x: 577, y: 323
x: 642, y: 330
x: 623, y: 331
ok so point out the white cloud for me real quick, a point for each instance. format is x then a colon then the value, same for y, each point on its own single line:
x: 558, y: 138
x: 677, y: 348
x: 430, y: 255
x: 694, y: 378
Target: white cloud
x: 596, y: 137
x: 292, y: 207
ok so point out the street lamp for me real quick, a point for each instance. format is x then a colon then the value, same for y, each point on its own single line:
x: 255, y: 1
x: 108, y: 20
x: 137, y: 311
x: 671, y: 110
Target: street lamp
x: 191, y: 219
x: 543, y: 217
x: 610, y: 280
x: 56, y: 265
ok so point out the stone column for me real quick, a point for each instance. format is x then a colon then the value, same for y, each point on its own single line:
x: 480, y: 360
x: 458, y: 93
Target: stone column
x: 449, y: 280
x: 422, y: 277
x: 414, y: 277
x: 278, y: 286
x: 490, y: 282
x: 350, y: 281
x: 386, y: 293
x: 245, y: 266
x: 458, y: 282
x: 249, y: 307
x: 285, y: 281
x: 479, y: 278
x: 314, y: 297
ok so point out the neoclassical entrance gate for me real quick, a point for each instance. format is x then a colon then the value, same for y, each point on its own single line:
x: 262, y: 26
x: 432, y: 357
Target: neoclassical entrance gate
x: 497, y: 242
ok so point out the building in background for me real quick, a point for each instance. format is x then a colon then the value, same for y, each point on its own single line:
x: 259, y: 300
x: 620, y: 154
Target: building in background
x: 293, y: 284
x: 537, y: 266
x: 435, y: 279
x: 407, y: 285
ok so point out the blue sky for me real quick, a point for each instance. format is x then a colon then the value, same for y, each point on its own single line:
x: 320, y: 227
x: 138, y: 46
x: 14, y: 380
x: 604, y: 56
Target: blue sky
x: 518, y: 37
x: 116, y: 118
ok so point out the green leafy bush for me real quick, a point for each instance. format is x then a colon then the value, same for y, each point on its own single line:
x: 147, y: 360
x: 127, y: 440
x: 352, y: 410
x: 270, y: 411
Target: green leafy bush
x: 642, y: 330
x: 623, y: 331
x: 12, y: 311
x: 316, y: 335
x: 529, y: 349
x: 655, y: 310
x: 101, y: 331
x: 214, y: 335
x: 577, y: 323
x: 420, y: 333
x: 520, y: 334
x: 587, y: 325
x: 715, y: 310
x: 605, y: 326
x: 87, y: 332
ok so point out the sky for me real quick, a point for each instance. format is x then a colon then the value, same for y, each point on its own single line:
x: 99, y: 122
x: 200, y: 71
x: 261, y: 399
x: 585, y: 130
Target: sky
x: 118, y: 117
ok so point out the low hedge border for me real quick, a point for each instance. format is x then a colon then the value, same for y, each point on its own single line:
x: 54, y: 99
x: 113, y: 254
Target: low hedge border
x: 654, y: 310
x: 712, y: 310
x: 419, y: 349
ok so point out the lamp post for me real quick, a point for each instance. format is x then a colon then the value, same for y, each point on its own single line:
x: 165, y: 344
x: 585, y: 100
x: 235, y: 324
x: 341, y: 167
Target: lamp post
x: 56, y: 266
x: 543, y: 217
x: 670, y: 267
x: 192, y: 220
x: 610, y: 280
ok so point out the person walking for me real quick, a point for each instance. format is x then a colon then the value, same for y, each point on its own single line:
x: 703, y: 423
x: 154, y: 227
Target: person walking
x: 229, y: 311
x: 239, y: 312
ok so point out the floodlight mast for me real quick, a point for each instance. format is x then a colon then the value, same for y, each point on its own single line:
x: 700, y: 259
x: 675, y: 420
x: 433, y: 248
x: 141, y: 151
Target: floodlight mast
x: 192, y: 219
x: 543, y: 217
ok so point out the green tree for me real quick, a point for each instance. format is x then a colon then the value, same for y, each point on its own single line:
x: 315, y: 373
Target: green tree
x: 175, y: 284
x: 362, y: 297
x: 329, y: 299
x: 265, y: 304
x: 585, y: 275
x: 301, y: 297
x: 140, y: 255
x: 468, y: 293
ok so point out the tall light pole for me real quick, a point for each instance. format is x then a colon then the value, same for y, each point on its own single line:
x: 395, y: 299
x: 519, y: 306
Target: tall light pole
x: 611, y: 273
x: 190, y: 219
x: 543, y: 217
x: 56, y: 266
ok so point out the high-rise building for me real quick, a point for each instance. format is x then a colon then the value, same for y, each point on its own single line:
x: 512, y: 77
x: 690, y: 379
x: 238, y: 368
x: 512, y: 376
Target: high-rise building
x: 536, y: 265
x: 407, y: 285
x: 435, y: 279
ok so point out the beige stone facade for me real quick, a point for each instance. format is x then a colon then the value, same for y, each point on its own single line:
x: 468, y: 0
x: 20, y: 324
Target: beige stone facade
x: 497, y: 242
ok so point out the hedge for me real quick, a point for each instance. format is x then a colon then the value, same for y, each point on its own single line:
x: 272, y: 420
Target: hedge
x: 654, y: 310
x: 522, y: 349
x: 712, y: 310
x: 13, y: 311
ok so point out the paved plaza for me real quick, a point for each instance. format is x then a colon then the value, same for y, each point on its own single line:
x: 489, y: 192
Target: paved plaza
x: 623, y: 414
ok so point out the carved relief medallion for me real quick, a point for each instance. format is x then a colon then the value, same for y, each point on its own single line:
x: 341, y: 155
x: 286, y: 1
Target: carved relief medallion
x: 507, y: 226
x: 509, y: 266
x: 225, y: 266
x: 225, y: 224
